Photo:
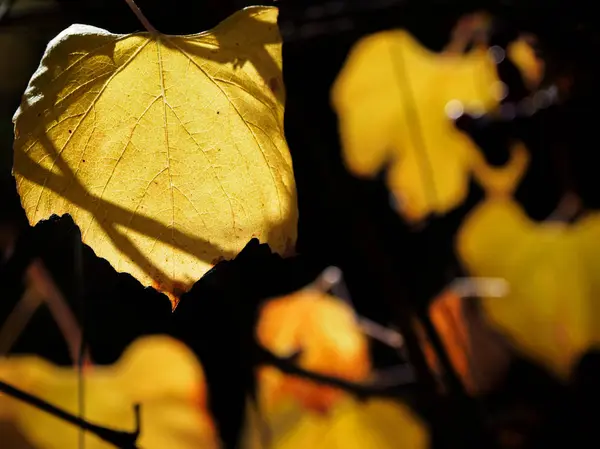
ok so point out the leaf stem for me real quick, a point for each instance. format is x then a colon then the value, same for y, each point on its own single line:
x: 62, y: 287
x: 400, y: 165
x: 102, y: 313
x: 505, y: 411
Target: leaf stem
x: 332, y: 278
x: 397, y: 385
x: 119, y: 439
x: 141, y: 17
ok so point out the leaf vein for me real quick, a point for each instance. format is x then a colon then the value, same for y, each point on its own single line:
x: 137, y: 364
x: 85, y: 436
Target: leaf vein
x: 243, y: 121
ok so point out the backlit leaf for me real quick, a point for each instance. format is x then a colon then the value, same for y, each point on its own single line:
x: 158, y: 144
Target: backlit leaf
x: 393, y: 98
x: 168, y: 151
x: 325, y: 333
x: 159, y: 373
x: 396, y: 102
x: 532, y: 67
x: 478, y: 354
x: 550, y: 312
x: 374, y: 424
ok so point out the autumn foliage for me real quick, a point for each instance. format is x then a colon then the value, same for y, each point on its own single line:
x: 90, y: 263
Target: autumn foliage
x: 86, y: 145
x: 323, y: 335
x: 170, y: 154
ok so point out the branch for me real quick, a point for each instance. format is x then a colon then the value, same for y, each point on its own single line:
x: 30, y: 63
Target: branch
x: 119, y: 439
x: 388, y: 388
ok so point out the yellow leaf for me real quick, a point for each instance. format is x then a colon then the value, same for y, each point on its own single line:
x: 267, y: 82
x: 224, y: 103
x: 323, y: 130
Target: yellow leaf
x: 396, y: 100
x: 159, y: 373
x: 531, y: 67
x: 168, y: 151
x: 550, y: 311
x: 393, y: 98
x: 375, y: 424
x: 325, y: 332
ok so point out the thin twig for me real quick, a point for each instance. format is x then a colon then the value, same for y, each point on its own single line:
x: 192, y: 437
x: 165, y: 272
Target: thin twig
x: 141, y: 17
x: 38, y: 276
x: 18, y: 319
x: 82, y: 354
x: 376, y: 331
x: 386, y: 388
x: 331, y: 279
x: 119, y: 439
x: 569, y: 206
x: 479, y: 287
x: 41, y: 288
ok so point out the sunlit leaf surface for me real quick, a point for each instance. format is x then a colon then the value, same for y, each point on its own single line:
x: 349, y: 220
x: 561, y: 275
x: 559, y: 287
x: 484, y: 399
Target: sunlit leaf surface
x: 551, y: 310
x: 159, y: 373
x: 167, y: 151
x: 324, y: 331
x: 395, y: 101
x: 373, y: 424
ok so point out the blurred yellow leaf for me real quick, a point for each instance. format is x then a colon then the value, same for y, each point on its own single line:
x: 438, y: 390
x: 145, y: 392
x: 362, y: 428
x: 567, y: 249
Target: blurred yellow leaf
x: 394, y: 99
x: 325, y: 331
x: 374, y: 424
x: 396, y: 102
x: 531, y: 67
x: 168, y: 151
x: 552, y: 268
x: 159, y: 373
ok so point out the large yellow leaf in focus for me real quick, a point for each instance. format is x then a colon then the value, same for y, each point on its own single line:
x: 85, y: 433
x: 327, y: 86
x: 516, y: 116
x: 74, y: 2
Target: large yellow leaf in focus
x: 551, y: 310
x: 374, y: 424
x: 159, y: 373
x: 168, y: 151
x: 326, y: 334
x: 393, y: 98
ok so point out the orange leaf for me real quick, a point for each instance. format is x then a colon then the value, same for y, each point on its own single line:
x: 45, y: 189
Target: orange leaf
x: 325, y: 332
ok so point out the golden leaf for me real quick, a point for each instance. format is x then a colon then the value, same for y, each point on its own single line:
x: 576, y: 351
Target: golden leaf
x: 393, y: 98
x: 158, y: 372
x: 168, y: 151
x: 550, y: 312
x: 374, y: 424
x: 396, y: 100
x: 531, y: 67
x: 325, y: 332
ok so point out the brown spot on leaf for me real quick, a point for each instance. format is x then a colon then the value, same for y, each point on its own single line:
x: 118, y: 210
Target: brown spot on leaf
x: 274, y: 85
x: 217, y: 260
x: 179, y: 289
